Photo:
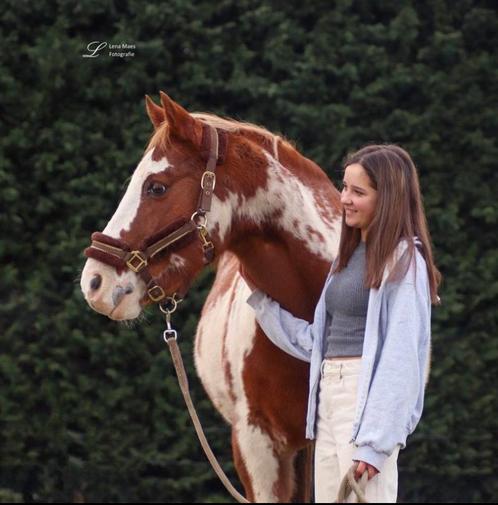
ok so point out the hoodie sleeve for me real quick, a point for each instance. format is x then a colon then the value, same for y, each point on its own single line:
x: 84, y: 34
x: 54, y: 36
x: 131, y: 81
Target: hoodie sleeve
x: 396, y: 396
x: 291, y: 334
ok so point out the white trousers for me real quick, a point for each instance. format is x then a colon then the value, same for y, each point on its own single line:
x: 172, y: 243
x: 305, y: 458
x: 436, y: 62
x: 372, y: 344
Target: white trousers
x: 333, y: 450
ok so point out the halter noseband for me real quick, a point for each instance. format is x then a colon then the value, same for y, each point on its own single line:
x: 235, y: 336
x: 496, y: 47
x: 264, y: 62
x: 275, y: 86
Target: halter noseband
x: 117, y: 253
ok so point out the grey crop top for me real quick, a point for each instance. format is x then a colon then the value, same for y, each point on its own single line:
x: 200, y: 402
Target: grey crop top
x: 347, y: 302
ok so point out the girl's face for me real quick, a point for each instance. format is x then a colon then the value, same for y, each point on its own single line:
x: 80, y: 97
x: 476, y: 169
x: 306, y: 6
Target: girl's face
x: 358, y: 198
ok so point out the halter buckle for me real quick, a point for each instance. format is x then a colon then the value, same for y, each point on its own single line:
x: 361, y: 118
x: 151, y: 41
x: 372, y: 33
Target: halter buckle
x: 136, y: 261
x: 211, y: 183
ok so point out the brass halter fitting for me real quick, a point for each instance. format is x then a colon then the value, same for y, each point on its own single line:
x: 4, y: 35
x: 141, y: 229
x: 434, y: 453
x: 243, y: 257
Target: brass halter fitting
x: 136, y: 261
x: 203, y: 234
x: 156, y: 293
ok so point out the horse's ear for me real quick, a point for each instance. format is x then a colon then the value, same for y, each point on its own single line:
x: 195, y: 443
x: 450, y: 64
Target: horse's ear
x: 155, y: 113
x: 181, y: 123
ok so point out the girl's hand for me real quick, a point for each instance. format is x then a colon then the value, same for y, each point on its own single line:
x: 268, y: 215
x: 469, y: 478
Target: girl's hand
x: 362, y: 466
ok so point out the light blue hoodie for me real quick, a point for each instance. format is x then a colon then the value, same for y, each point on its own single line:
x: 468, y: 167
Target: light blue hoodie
x: 395, y: 360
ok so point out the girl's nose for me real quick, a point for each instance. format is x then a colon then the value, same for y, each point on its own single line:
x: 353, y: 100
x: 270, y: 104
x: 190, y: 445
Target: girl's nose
x: 345, y: 198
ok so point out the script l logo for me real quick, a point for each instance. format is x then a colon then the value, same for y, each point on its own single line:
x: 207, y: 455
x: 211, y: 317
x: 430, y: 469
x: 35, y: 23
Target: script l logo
x: 94, y: 47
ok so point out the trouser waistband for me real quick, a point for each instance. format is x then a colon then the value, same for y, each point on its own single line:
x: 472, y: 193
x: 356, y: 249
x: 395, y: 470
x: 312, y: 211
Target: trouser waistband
x: 340, y: 368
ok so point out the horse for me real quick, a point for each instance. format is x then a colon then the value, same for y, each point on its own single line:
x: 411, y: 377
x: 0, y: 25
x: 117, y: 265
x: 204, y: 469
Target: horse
x: 275, y: 220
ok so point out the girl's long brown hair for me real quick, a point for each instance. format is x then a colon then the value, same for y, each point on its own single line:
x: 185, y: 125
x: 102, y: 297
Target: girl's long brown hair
x: 399, y: 214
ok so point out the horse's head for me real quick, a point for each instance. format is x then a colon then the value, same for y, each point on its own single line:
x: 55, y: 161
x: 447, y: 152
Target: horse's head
x: 205, y: 185
x: 158, y: 239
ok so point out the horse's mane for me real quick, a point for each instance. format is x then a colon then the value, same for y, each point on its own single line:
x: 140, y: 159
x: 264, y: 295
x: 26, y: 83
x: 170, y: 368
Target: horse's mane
x: 160, y: 138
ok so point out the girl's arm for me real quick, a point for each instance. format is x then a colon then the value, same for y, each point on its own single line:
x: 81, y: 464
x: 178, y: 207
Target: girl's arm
x: 291, y: 334
x: 395, y: 399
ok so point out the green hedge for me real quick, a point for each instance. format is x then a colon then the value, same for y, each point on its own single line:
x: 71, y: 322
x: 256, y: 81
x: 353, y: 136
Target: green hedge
x: 90, y: 408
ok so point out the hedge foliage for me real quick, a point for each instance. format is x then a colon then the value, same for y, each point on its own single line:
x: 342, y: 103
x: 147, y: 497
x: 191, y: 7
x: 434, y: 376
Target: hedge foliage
x: 89, y: 409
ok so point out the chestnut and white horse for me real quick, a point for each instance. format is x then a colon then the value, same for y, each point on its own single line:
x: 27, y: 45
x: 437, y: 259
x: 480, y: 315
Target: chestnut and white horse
x: 275, y: 219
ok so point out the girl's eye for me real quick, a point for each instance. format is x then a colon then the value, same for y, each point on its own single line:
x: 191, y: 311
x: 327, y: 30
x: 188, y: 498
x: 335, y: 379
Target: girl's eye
x: 156, y: 189
x: 344, y: 188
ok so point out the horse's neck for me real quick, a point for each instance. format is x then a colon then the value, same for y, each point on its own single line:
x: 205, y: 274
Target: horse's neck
x: 288, y: 234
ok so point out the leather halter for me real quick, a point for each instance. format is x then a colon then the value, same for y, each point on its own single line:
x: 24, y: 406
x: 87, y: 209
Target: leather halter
x: 119, y: 254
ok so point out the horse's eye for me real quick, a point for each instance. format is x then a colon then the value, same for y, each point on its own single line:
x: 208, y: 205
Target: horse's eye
x: 156, y: 189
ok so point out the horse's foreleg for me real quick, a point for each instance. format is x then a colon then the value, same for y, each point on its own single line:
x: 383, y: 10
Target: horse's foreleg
x: 266, y: 474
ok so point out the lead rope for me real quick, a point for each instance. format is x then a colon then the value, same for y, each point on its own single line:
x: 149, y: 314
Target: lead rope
x: 349, y: 485
x: 170, y: 337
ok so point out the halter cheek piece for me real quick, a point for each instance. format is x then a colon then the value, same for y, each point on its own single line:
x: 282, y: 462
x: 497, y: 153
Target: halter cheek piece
x: 118, y: 254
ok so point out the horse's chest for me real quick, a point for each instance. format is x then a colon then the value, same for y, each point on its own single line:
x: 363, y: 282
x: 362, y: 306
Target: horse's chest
x: 225, y: 335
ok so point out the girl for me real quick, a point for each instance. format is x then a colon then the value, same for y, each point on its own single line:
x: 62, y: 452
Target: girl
x: 369, y: 343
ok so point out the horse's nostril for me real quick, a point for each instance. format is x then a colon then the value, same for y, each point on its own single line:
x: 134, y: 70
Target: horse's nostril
x: 96, y: 282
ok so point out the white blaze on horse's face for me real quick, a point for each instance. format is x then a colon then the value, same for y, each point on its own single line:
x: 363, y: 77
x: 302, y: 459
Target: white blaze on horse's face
x: 128, y: 207
x: 118, y: 295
